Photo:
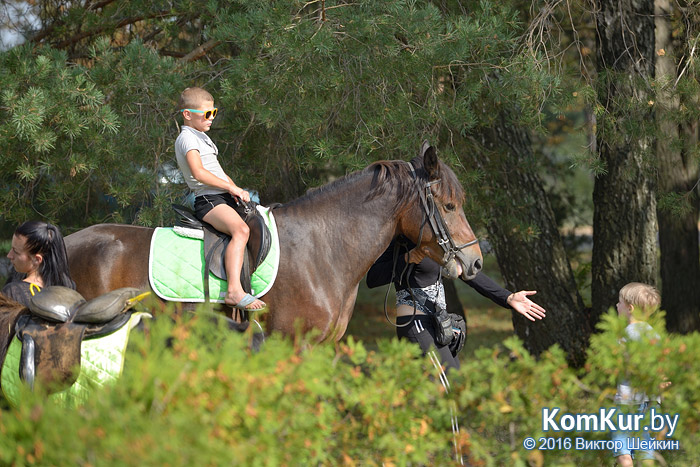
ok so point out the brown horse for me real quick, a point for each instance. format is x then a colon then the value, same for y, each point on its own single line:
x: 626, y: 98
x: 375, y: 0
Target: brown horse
x: 328, y: 238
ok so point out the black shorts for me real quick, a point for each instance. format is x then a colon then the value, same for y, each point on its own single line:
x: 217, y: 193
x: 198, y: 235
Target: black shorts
x: 205, y: 203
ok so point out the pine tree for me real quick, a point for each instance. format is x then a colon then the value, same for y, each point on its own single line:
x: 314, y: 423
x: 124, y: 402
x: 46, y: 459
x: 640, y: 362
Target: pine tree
x: 678, y: 164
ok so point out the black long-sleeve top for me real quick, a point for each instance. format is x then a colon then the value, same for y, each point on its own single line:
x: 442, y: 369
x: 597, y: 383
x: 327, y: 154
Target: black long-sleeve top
x: 426, y: 273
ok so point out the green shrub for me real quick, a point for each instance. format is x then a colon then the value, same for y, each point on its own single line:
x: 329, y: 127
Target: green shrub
x: 501, y: 395
x: 193, y: 393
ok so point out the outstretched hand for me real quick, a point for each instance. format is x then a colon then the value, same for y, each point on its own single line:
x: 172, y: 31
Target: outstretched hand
x: 526, y: 307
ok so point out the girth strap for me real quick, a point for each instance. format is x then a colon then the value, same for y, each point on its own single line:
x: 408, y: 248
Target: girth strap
x: 215, y: 244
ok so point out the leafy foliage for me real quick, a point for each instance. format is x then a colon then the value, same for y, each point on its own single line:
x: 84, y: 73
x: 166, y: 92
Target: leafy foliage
x: 307, y: 90
x: 51, y: 109
x: 74, y: 141
x: 194, y: 392
x: 206, y: 399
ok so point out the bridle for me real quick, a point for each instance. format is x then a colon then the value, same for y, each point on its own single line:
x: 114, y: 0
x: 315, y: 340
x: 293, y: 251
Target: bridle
x: 433, y: 216
x: 445, y: 240
x: 437, y: 222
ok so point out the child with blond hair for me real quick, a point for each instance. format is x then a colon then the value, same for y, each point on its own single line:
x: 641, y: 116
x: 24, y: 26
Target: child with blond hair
x: 215, y: 192
x: 636, y: 302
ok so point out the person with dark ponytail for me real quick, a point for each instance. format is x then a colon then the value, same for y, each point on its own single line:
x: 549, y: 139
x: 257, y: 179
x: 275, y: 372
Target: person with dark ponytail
x: 38, y: 255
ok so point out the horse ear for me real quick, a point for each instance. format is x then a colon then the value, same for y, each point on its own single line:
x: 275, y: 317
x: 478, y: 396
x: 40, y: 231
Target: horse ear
x: 424, y: 147
x: 431, y: 163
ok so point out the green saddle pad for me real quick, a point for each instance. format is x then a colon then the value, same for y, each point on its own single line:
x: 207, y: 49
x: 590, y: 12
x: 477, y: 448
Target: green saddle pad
x: 101, y: 363
x: 176, y: 264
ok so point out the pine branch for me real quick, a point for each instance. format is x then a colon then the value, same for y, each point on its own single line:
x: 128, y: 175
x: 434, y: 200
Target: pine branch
x: 50, y: 28
x: 200, y: 51
x: 124, y: 22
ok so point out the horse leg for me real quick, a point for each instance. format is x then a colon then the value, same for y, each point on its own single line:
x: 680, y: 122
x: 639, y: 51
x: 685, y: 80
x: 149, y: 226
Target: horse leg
x: 345, y: 315
x: 314, y: 301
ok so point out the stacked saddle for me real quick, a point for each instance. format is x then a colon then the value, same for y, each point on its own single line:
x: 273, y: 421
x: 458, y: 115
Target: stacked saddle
x: 59, y: 321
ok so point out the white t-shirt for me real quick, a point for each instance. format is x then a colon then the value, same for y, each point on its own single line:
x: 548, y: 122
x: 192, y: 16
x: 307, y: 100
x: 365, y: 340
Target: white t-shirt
x: 625, y: 393
x: 189, y: 139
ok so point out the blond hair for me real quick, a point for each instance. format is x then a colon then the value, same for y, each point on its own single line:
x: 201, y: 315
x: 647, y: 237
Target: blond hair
x: 643, y: 297
x: 192, y: 98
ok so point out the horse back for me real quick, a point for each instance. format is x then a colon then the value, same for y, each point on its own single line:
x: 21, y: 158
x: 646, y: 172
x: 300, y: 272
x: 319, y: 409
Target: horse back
x: 106, y: 257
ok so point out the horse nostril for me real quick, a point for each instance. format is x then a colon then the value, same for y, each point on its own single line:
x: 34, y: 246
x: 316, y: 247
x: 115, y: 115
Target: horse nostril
x: 476, y: 266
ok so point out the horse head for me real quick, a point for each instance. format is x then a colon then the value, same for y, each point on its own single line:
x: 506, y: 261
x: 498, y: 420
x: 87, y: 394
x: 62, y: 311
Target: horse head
x: 433, y: 217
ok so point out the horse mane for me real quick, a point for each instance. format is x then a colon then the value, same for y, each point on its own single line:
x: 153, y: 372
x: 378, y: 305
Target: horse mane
x: 315, y: 192
x: 449, y: 190
x: 7, y: 304
x: 397, y: 172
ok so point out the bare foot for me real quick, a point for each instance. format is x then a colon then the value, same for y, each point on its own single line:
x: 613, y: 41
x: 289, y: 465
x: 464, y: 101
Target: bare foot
x: 234, y: 300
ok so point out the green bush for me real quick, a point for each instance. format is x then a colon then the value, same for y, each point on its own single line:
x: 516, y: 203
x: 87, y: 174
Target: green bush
x: 501, y: 395
x: 193, y: 393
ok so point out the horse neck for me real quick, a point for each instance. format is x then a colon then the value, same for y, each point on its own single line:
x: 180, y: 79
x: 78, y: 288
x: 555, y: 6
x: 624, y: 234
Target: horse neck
x: 356, y: 231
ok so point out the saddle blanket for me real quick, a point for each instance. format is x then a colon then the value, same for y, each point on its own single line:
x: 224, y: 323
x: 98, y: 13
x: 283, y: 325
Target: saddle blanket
x: 176, y: 264
x: 101, y: 363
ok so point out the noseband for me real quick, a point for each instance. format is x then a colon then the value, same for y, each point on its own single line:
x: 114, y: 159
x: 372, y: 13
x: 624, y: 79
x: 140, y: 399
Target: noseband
x: 437, y: 222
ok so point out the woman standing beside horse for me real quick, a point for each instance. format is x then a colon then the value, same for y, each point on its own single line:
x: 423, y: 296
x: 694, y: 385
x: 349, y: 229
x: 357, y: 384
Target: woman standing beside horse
x: 420, y: 296
x: 38, y: 255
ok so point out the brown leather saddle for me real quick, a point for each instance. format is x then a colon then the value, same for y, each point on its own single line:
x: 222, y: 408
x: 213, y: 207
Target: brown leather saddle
x: 215, y: 242
x: 58, y: 322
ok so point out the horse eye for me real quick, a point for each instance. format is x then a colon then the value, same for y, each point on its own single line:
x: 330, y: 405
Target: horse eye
x: 450, y: 206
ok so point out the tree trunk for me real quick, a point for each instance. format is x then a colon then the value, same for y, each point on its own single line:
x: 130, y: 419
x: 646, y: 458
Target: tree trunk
x: 529, y: 250
x: 624, y: 218
x: 678, y: 173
